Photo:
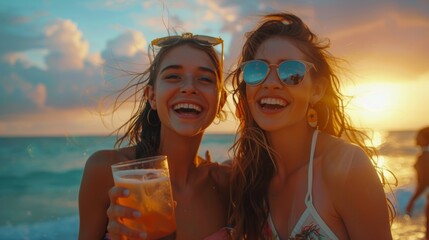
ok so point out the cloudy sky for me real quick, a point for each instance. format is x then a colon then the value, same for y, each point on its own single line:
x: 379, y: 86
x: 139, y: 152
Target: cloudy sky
x: 58, y: 58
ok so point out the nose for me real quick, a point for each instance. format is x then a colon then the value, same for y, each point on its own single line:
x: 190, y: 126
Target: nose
x: 272, y: 79
x: 188, y: 86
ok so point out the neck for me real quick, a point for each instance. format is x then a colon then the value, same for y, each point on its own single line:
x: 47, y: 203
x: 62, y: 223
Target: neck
x: 292, y: 147
x: 182, y: 153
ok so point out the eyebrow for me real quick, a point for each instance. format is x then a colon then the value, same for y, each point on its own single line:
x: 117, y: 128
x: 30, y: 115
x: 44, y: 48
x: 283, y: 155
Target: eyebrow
x: 205, y: 69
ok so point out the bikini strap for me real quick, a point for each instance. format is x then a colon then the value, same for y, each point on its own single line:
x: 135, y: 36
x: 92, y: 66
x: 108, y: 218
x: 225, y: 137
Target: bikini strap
x: 309, y: 196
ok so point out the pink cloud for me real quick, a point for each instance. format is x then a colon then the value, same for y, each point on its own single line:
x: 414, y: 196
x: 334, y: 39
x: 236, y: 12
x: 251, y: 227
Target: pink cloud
x: 12, y: 58
x: 67, y: 48
x: 127, y: 44
x: 36, y: 94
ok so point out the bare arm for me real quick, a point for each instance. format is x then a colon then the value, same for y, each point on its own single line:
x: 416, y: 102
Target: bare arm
x: 93, y: 195
x: 410, y: 205
x: 361, y: 201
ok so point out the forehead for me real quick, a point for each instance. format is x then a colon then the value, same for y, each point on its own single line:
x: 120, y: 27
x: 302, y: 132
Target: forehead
x: 278, y: 48
x: 186, y: 55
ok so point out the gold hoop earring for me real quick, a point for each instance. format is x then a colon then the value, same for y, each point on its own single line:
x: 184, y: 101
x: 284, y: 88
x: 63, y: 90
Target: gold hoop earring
x: 216, y: 121
x: 319, y: 117
x: 219, y: 117
x: 148, y: 118
x: 312, y: 117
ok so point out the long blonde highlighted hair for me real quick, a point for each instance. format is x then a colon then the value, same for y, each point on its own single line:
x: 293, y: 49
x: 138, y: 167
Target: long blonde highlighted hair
x: 254, y: 167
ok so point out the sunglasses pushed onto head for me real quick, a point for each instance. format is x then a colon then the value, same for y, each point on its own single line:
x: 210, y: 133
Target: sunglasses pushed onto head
x: 201, y: 40
x: 290, y: 72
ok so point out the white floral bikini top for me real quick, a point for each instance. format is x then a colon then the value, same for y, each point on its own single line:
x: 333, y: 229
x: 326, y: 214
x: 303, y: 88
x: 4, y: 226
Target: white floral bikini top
x: 310, y: 225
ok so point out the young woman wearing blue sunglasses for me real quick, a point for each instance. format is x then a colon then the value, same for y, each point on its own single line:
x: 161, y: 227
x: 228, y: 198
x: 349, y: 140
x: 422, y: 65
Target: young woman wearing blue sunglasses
x: 301, y: 170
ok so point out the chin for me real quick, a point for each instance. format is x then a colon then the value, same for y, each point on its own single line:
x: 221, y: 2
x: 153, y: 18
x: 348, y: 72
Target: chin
x: 190, y: 132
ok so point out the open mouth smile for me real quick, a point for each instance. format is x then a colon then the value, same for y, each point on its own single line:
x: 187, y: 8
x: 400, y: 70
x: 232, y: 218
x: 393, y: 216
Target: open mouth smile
x: 272, y: 103
x: 187, y: 108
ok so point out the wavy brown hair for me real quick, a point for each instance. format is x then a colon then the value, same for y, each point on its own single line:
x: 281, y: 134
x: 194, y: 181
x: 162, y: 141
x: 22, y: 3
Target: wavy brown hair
x: 144, y: 127
x: 254, y: 167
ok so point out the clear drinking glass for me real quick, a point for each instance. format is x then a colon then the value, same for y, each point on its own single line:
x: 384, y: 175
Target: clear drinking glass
x: 148, y: 181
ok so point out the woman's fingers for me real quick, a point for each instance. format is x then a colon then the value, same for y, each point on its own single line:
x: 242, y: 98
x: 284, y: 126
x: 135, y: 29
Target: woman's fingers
x: 117, y: 192
x: 117, y: 231
x: 117, y: 211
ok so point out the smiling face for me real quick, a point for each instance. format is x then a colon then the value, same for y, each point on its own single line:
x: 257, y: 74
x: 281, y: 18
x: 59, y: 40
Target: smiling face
x: 272, y: 104
x: 186, y: 91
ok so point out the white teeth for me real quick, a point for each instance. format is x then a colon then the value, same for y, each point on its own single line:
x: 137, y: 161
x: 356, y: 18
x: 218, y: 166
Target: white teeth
x: 273, y: 101
x: 187, y: 106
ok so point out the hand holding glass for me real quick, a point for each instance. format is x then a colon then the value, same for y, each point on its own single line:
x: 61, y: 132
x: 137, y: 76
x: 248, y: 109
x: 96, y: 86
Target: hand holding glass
x: 148, y: 181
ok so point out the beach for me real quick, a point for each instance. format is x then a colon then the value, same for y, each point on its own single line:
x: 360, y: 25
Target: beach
x: 40, y: 178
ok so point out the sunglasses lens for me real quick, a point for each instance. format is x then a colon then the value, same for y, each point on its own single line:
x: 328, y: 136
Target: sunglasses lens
x: 167, y: 41
x: 207, y: 40
x: 200, y: 39
x: 291, y: 72
x: 254, y: 72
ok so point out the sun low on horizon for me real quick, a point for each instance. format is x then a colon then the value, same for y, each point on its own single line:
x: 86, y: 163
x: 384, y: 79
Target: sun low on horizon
x: 370, y: 102
x: 387, y: 105
x: 54, y: 53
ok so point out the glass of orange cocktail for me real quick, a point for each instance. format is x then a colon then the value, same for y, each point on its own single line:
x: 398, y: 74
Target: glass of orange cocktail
x: 150, y: 192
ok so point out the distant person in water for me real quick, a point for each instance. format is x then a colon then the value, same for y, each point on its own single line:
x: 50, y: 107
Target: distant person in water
x: 422, y: 173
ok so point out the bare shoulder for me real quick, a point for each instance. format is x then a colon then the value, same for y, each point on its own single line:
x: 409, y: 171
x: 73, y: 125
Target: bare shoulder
x: 97, y: 174
x: 99, y: 162
x: 348, y: 171
x: 422, y: 162
x: 93, y: 193
x: 342, y: 159
x: 220, y: 173
x: 355, y: 190
x: 110, y: 156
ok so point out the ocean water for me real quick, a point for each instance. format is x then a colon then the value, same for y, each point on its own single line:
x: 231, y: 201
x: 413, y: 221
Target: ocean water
x: 40, y: 178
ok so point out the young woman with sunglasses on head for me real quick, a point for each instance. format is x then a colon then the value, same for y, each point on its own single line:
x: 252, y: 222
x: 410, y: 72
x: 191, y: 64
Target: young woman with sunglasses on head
x: 301, y: 170
x: 181, y: 93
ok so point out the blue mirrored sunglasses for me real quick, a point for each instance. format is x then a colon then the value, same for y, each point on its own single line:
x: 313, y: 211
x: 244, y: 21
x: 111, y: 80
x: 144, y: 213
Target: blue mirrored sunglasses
x: 290, y: 72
